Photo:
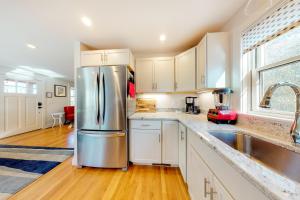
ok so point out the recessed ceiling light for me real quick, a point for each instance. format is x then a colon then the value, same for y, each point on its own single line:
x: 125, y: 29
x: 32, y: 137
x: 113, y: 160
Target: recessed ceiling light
x: 31, y: 46
x: 86, y: 21
x: 162, y: 37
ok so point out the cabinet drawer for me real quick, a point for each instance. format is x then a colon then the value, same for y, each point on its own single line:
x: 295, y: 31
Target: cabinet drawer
x: 146, y: 124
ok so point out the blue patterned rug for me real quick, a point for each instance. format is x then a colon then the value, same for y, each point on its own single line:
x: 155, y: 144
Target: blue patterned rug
x: 21, y: 165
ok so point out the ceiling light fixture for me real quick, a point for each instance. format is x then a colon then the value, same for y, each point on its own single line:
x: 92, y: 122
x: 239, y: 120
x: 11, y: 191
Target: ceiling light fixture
x: 86, y: 21
x: 162, y: 37
x: 31, y: 46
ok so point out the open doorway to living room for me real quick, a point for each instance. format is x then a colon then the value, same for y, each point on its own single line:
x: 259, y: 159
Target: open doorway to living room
x: 36, y: 126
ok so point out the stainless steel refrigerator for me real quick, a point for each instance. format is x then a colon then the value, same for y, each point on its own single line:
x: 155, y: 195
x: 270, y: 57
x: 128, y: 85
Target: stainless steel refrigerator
x: 102, y: 116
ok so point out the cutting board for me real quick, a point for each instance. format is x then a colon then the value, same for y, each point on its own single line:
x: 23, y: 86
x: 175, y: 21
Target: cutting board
x: 145, y: 105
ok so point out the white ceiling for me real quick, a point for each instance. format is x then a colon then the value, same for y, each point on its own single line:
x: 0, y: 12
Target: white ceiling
x: 54, y: 25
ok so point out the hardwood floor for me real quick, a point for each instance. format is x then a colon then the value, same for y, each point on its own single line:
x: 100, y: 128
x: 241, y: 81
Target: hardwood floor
x: 50, y: 137
x: 68, y: 182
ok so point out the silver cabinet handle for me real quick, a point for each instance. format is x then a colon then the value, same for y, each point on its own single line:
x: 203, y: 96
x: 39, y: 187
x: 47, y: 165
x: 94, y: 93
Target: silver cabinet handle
x: 181, y: 135
x: 203, y: 80
x: 159, y: 138
x: 101, y: 58
x: 212, y: 193
x: 105, y: 58
x: 175, y: 85
x: 206, y: 193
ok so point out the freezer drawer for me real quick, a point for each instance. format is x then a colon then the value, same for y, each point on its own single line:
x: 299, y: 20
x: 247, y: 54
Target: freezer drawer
x: 102, y: 149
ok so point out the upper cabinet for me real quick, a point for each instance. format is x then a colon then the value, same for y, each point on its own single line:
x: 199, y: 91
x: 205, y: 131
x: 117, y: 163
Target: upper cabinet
x: 213, y: 61
x: 155, y: 74
x: 185, y: 71
x: 107, y: 57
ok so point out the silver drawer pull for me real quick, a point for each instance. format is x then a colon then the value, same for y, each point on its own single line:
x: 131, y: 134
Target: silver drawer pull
x: 206, y: 182
x: 212, y: 193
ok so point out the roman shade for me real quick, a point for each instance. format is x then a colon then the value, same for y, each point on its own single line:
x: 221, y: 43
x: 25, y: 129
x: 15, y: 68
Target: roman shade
x: 285, y: 17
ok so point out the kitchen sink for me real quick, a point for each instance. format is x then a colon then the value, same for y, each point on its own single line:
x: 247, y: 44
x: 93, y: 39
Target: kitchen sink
x: 279, y: 159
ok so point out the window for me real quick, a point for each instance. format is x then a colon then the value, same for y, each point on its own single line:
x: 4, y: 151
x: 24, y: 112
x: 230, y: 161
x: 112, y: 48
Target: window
x: 10, y: 86
x: 279, y: 61
x: 19, y: 87
x: 72, y: 96
x: 273, y: 58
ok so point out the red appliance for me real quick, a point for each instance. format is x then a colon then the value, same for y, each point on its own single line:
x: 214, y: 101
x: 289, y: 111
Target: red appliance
x: 222, y: 113
x: 69, y: 114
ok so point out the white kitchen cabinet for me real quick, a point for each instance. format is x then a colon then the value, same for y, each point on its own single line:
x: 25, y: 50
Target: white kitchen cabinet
x: 182, y: 150
x: 147, y: 146
x: 199, y: 177
x: 145, y: 141
x: 220, y: 192
x: 155, y: 74
x: 164, y: 74
x: 144, y: 75
x: 213, y: 54
x: 224, y: 182
x: 185, y: 71
x: 170, y: 142
x: 107, y: 57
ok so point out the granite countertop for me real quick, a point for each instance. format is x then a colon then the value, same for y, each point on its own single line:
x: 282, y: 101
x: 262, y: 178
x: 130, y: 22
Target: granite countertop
x: 272, y: 184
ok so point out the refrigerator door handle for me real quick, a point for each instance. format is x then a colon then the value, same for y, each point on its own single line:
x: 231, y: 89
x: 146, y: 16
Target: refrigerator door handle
x: 104, y: 135
x: 97, y: 99
x: 102, y: 97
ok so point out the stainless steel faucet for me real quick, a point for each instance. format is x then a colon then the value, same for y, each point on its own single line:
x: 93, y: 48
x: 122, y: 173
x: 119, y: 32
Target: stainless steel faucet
x: 266, y: 103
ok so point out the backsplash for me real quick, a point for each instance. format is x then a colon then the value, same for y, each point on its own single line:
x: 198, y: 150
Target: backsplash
x: 268, y: 126
x: 168, y: 102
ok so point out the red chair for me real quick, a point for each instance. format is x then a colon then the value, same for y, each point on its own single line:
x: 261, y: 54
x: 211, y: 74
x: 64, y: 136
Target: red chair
x: 69, y: 114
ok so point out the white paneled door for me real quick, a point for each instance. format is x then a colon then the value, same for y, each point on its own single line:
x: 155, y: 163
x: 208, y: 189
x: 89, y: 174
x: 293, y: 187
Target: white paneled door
x: 20, y: 114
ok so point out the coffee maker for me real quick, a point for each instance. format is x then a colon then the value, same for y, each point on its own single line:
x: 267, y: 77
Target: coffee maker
x: 190, y: 105
x: 222, y: 113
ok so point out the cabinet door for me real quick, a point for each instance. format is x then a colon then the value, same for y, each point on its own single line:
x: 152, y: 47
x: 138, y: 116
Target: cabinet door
x: 116, y: 57
x: 170, y: 142
x: 91, y: 59
x: 144, y: 75
x: 185, y: 67
x: 182, y: 150
x: 201, y: 64
x: 146, y: 146
x: 220, y: 192
x: 218, y: 52
x: 199, y: 177
x: 164, y: 75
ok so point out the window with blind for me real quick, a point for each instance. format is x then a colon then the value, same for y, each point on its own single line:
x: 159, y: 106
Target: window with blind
x: 271, y: 54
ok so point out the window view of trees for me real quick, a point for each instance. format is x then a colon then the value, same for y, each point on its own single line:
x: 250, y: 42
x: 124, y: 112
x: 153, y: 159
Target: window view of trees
x: 282, y: 48
x: 283, y: 98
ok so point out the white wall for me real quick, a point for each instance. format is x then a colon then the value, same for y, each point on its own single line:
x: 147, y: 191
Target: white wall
x: 235, y: 26
x: 54, y: 104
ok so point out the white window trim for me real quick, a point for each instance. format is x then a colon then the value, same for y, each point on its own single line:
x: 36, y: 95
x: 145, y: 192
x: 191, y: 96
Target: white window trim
x: 250, y: 86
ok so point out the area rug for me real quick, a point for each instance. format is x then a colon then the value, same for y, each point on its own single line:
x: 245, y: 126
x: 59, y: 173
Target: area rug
x: 21, y: 165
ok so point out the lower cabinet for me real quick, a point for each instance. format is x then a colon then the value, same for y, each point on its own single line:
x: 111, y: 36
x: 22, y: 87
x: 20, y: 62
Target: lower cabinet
x: 201, y: 181
x: 153, y: 142
x: 170, y: 142
x: 182, y: 150
x: 210, y: 177
x: 146, y: 146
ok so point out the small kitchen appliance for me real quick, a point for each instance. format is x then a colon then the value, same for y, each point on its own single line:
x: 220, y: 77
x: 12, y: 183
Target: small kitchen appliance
x: 190, y: 105
x: 222, y: 113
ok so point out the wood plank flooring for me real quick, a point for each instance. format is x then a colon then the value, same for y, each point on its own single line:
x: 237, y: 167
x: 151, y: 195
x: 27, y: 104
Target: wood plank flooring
x: 67, y: 182
x: 50, y: 137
